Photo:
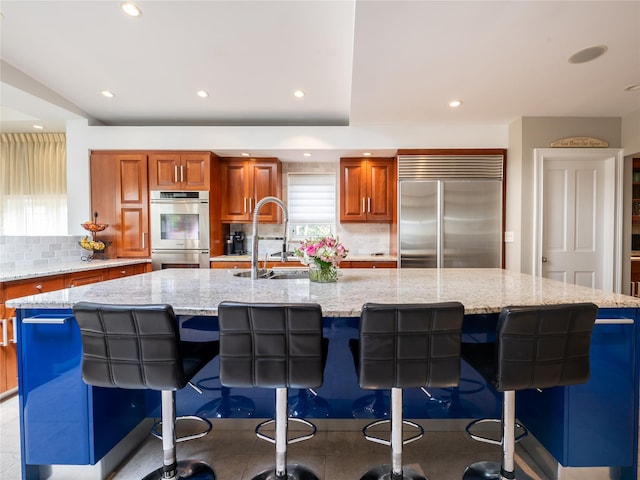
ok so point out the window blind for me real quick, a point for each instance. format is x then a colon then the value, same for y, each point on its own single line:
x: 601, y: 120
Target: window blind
x: 312, y: 198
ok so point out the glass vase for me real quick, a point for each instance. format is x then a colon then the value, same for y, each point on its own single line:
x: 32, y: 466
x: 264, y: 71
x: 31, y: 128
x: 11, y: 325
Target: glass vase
x: 323, y: 274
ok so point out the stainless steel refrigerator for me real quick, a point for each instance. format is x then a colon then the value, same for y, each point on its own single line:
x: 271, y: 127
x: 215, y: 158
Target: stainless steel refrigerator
x: 450, y: 211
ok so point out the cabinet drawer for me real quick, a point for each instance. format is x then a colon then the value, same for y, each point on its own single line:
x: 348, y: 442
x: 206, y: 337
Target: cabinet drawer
x: 78, y: 279
x: 22, y: 288
x: 122, y: 271
x: 368, y: 264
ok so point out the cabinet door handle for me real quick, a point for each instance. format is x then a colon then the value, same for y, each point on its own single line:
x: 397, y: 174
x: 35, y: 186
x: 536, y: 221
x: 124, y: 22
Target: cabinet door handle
x: 363, y: 210
x: 182, y: 173
x: 244, y: 204
x: 38, y: 287
x: 15, y: 331
x: 175, y: 174
x: 143, y: 242
x: 368, y: 204
x: 5, y: 340
x: 47, y: 320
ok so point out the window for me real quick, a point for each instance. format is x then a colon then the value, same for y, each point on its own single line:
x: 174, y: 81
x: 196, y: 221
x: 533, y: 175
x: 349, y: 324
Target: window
x: 33, y: 184
x: 312, y: 205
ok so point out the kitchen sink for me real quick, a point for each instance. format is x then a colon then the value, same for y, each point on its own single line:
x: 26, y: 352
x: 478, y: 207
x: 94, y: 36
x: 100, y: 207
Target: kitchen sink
x: 282, y: 274
x: 289, y: 275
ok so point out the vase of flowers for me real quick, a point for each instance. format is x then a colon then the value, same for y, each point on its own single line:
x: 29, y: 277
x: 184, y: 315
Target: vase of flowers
x: 323, y: 256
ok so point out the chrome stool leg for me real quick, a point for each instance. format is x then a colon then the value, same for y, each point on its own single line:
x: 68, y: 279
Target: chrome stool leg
x: 171, y: 468
x: 394, y: 471
x: 283, y: 471
x: 493, y: 470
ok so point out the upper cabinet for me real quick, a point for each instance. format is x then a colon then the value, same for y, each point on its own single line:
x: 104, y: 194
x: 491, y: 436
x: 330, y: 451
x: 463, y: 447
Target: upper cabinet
x: 179, y: 171
x: 120, y: 195
x: 367, y: 189
x: 243, y: 183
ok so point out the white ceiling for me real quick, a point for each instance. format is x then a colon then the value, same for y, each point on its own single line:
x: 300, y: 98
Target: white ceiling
x: 362, y: 62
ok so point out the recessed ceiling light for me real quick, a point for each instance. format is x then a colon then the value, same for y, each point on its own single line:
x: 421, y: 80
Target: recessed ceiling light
x: 455, y: 103
x: 366, y: 154
x: 588, y: 54
x: 632, y: 88
x: 38, y: 127
x: 298, y: 94
x: 307, y: 154
x: 107, y: 94
x: 245, y: 154
x: 130, y: 9
x: 202, y: 93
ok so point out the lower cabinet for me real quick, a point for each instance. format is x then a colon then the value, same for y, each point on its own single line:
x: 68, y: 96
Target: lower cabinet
x: 64, y: 420
x: 572, y: 423
x: 296, y: 264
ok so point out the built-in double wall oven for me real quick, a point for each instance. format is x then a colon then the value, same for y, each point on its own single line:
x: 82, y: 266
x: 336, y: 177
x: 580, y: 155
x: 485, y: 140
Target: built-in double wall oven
x: 179, y: 229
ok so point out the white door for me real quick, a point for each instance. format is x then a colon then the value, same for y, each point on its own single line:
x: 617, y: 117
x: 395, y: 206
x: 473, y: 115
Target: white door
x: 579, y: 216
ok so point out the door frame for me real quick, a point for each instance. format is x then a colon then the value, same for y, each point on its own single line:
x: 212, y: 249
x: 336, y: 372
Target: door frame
x: 614, y: 176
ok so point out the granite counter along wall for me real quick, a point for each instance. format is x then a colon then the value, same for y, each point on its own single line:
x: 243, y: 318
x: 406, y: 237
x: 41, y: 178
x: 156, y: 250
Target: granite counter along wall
x: 21, y: 252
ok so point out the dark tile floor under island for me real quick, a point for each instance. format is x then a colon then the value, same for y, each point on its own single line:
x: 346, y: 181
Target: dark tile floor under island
x: 236, y: 454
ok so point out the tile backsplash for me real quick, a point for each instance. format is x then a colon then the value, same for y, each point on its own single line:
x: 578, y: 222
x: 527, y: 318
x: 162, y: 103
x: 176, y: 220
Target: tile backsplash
x: 18, y: 252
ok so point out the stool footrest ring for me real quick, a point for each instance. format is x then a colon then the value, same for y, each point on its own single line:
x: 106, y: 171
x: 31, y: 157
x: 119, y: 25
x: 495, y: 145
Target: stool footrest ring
x: 207, y: 428
x: 301, y: 438
x: 382, y: 441
x: 492, y: 441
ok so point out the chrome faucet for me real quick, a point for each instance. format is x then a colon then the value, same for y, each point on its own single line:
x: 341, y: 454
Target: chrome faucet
x: 254, y: 251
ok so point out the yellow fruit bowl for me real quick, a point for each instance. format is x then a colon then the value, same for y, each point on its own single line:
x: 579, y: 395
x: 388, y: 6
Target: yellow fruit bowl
x: 94, y: 227
x: 93, y: 245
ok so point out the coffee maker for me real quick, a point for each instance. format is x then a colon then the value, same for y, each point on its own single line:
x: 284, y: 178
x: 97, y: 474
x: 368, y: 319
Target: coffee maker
x: 238, y: 243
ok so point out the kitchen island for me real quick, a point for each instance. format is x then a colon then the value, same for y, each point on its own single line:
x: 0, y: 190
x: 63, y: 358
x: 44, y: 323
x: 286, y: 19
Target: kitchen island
x: 562, y: 419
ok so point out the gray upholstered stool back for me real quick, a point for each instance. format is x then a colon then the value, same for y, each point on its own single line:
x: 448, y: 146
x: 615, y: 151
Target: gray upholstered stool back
x: 139, y: 347
x: 411, y: 345
x: 538, y: 347
x: 129, y: 346
x: 271, y: 345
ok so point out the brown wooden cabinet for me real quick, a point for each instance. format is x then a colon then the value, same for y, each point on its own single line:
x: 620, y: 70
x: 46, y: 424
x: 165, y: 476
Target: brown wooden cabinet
x: 243, y: 183
x: 77, y: 279
x: 180, y: 171
x: 368, y: 264
x: 367, y: 190
x: 120, y: 195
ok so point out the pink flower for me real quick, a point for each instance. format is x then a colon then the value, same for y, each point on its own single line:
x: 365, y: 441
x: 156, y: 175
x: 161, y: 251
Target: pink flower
x: 324, y: 251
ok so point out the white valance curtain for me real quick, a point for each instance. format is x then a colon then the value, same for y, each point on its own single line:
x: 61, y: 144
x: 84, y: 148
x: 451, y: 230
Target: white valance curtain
x: 33, y: 184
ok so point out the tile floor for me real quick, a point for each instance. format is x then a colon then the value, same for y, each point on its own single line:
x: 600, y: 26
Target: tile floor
x: 239, y: 455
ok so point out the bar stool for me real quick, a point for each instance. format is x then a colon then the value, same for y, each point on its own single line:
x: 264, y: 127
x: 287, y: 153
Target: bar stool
x: 405, y: 346
x: 139, y: 347
x: 536, y: 347
x: 279, y: 346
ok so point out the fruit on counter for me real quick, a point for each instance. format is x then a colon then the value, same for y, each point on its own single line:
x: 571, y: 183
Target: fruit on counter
x: 92, y: 245
x: 97, y: 245
x: 94, y: 227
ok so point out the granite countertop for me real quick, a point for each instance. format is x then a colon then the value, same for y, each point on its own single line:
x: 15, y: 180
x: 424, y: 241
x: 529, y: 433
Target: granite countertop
x: 35, y: 271
x: 295, y: 261
x: 199, y: 291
